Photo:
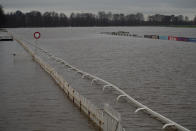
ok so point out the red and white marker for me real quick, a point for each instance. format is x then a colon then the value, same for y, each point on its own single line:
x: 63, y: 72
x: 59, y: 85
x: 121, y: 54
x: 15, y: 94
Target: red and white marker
x: 37, y: 35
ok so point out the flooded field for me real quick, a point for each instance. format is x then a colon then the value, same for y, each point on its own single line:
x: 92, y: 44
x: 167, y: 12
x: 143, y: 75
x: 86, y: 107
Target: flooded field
x: 158, y: 73
x: 30, y: 100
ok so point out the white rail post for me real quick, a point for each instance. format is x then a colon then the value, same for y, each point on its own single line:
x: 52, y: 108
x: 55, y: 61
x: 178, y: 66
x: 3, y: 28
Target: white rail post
x: 93, y: 82
x: 139, y: 109
x: 135, y: 102
x: 120, y: 97
x: 106, y: 86
x: 168, y: 125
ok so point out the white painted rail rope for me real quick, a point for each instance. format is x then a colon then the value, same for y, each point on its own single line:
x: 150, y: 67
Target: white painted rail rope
x: 140, y: 107
x: 104, y: 122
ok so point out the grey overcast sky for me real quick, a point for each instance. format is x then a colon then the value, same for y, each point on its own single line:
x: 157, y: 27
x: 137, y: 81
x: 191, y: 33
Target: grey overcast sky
x: 147, y: 7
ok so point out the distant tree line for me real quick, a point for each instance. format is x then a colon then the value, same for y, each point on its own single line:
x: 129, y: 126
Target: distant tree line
x: 159, y: 19
x: 53, y: 19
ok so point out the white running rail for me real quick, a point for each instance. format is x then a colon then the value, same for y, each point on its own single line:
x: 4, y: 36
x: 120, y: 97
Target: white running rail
x: 107, y: 119
x: 140, y: 107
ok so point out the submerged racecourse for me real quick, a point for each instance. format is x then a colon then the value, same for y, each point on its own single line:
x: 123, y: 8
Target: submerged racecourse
x: 160, y: 74
x: 30, y: 100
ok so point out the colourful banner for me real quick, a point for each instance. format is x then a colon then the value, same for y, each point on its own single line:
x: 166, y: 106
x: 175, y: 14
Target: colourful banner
x: 163, y: 37
x: 172, y: 38
x: 182, y: 39
x: 122, y: 33
x: 192, y: 39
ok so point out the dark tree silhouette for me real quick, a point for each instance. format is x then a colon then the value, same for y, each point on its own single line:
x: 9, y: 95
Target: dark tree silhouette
x: 159, y: 19
x: 2, y: 16
x: 19, y: 19
x: 194, y: 21
x: 63, y: 20
x: 33, y: 19
x: 102, y: 18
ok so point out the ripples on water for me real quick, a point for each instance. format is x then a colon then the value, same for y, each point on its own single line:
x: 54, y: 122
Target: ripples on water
x: 159, y: 73
x: 30, y: 100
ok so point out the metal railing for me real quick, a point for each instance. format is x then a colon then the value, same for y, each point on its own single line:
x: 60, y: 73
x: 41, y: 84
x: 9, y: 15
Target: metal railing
x: 140, y: 107
x: 106, y: 119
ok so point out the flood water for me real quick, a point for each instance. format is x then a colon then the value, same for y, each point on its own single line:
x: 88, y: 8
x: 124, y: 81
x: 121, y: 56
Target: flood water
x: 30, y: 100
x: 158, y: 73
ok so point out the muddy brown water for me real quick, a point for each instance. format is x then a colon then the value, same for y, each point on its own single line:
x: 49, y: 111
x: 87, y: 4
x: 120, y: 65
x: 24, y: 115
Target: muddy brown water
x: 159, y: 73
x: 30, y: 100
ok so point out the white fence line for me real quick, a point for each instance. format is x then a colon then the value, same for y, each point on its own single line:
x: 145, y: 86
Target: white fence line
x: 140, y: 107
x: 105, y: 119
